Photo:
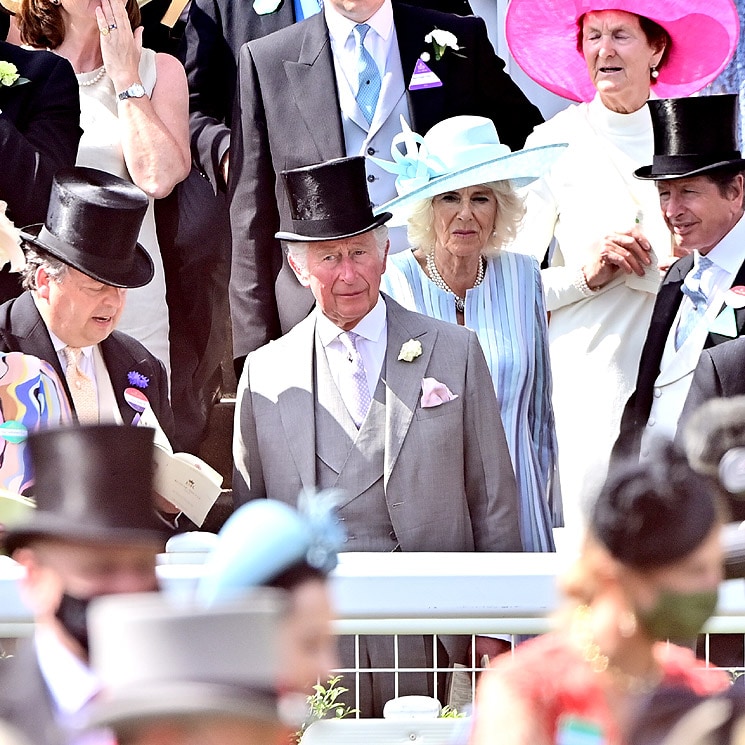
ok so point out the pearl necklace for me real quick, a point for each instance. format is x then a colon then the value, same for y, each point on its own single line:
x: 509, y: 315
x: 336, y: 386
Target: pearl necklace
x: 436, y: 277
x: 94, y: 79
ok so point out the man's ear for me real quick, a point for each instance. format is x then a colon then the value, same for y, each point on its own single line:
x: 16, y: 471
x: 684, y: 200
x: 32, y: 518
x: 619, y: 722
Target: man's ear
x: 301, y: 272
x: 43, y: 280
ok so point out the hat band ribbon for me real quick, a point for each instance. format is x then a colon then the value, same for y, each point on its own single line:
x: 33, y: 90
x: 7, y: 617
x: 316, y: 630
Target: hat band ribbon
x: 683, y: 163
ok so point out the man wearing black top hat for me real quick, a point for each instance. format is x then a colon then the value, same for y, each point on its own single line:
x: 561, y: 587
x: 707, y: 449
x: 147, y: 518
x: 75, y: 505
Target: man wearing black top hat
x: 93, y: 533
x: 698, y: 171
x: 395, y: 409
x: 80, y: 263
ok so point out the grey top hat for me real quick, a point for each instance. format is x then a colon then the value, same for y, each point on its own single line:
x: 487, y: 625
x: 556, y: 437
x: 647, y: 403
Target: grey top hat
x: 160, y: 658
x: 92, y: 224
x: 693, y: 137
x: 92, y: 484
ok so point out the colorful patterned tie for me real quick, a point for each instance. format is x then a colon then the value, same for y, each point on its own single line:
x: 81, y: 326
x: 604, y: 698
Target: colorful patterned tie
x: 368, y: 75
x: 690, y: 318
x: 355, y: 391
x: 82, y: 390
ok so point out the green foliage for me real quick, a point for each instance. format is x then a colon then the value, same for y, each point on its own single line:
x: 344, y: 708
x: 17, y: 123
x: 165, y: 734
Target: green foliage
x: 450, y: 712
x: 323, y: 704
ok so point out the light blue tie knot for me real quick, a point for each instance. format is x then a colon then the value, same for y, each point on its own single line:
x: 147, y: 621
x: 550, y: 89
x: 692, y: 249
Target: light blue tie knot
x: 692, y: 289
x: 368, y: 75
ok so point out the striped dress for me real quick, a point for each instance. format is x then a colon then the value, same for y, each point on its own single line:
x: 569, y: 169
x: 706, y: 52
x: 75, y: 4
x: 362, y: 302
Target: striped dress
x: 508, y: 314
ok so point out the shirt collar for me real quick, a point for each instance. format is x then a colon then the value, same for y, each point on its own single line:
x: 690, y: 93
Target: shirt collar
x: 71, y: 682
x: 371, y: 327
x: 340, y: 27
x: 727, y: 254
x: 59, y: 345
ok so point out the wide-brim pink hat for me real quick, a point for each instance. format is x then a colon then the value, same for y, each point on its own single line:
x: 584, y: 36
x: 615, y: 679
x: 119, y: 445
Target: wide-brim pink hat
x: 542, y: 36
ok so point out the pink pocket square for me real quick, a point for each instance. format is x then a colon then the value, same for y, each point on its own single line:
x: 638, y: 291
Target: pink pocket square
x: 435, y: 393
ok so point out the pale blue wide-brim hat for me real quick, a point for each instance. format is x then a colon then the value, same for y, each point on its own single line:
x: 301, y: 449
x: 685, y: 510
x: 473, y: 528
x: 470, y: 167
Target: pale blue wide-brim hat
x: 457, y: 152
x: 264, y: 538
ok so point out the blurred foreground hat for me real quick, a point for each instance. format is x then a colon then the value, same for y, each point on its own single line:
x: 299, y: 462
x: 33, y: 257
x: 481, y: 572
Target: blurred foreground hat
x: 651, y: 514
x: 92, y: 484
x: 692, y: 137
x: 457, y: 152
x: 714, y: 441
x: 542, y: 37
x: 92, y: 224
x: 265, y: 538
x: 158, y: 657
x: 329, y: 201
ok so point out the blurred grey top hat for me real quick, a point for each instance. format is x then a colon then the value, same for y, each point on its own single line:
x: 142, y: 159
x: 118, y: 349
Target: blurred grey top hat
x: 161, y: 658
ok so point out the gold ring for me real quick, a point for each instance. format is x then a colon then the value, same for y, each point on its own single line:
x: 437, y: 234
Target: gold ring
x: 104, y: 31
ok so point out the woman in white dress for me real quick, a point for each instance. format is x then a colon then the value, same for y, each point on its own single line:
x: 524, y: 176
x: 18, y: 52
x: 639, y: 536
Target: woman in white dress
x: 134, y: 116
x: 610, y: 239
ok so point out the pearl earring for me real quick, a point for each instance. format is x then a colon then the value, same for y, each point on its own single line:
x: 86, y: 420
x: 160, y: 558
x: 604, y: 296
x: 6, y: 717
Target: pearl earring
x: 655, y: 73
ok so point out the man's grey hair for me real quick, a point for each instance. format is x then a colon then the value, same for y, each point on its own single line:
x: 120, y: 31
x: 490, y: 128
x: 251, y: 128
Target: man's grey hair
x: 299, y: 249
x: 35, y: 259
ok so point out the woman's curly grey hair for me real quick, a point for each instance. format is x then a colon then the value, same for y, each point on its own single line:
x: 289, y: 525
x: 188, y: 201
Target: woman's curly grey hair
x: 510, y: 211
x: 35, y: 259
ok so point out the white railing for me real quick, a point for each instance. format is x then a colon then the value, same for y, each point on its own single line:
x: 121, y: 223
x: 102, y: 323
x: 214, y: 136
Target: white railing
x: 409, y: 593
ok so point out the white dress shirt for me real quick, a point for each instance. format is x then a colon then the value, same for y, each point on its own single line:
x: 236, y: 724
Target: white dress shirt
x: 72, y: 685
x: 372, y: 345
x: 344, y: 46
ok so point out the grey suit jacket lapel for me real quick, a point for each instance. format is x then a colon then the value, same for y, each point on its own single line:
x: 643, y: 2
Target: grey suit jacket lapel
x: 313, y: 84
x: 296, y: 402
x: 403, y: 379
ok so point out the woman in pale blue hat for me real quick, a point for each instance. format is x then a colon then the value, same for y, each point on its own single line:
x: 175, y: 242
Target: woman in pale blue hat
x: 267, y: 543
x: 455, y: 188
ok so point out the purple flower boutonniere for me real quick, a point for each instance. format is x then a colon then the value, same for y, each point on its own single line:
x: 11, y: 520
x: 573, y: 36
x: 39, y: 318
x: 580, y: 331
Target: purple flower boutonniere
x: 138, y: 379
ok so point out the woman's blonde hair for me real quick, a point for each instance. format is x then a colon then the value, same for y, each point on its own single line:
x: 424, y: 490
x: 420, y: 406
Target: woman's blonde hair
x: 510, y: 211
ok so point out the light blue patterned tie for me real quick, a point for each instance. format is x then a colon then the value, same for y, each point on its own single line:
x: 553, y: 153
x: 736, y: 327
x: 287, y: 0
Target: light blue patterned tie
x: 698, y: 298
x: 368, y: 75
x: 355, y: 391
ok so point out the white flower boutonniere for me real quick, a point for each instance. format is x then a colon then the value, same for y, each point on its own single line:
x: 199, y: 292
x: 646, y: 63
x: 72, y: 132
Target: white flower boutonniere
x: 441, y: 41
x: 10, y: 242
x: 9, y: 75
x: 410, y: 350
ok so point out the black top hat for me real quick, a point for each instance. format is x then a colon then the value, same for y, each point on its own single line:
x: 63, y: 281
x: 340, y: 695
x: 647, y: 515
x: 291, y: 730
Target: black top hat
x: 692, y: 137
x: 92, y: 484
x: 329, y: 201
x: 92, y: 224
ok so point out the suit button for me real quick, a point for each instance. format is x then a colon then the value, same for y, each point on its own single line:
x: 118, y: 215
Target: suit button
x: 652, y: 421
x: 371, y: 178
x: 657, y: 392
x: 371, y: 151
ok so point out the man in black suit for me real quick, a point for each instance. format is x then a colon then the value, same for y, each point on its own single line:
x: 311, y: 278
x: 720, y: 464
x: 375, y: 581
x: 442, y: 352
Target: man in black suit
x: 698, y: 172
x: 296, y: 105
x: 39, y: 134
x: 93, y: 533
x: 79, y: 264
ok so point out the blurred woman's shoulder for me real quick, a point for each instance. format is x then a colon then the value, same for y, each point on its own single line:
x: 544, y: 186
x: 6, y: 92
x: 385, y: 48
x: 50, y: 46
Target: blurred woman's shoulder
x: 562, y: 127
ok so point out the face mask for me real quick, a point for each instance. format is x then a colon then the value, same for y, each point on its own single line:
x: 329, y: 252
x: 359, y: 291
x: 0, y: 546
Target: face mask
x: 678, y: 615
x: 71, y: 614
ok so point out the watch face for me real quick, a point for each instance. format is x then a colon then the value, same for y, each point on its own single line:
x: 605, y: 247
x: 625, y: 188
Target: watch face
x: 136, y: 91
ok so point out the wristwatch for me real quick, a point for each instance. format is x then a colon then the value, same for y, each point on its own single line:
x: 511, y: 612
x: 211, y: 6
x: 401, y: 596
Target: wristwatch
x: 135, y: 90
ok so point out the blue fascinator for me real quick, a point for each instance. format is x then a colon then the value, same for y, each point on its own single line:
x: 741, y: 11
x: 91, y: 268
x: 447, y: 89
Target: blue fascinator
x: 264, y: 538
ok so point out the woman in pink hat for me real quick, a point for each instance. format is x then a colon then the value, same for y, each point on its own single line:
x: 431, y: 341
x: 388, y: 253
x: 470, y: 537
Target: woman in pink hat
x: 610, y: 242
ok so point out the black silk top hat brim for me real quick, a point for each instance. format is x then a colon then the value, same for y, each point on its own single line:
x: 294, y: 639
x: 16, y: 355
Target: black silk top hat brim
x: 93, y: 222
x: 693, y: 137
x: 329, y: 201
x: 92, y: 484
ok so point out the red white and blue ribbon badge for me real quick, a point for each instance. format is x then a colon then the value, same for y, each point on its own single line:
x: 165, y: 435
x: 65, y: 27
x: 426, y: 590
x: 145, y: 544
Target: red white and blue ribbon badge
x: 136, y: 400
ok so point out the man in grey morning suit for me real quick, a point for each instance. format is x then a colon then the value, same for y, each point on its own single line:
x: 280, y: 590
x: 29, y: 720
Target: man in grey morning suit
x: 404, y: 420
